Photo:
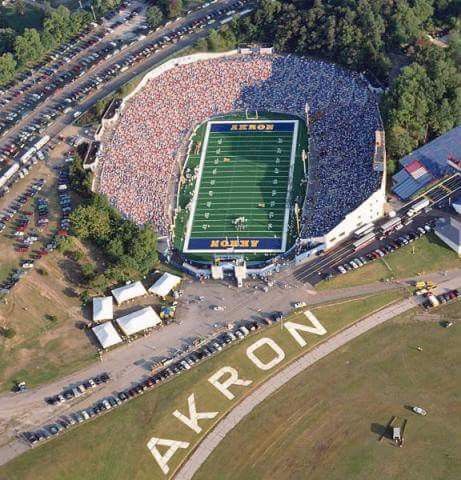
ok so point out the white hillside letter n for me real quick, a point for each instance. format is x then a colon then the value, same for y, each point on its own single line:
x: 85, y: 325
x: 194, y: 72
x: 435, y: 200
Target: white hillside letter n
x: 293, y: 328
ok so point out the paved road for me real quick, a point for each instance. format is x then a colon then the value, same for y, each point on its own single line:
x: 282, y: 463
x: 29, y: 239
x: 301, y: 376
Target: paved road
x: 132, y: 362
x: 213, y: 439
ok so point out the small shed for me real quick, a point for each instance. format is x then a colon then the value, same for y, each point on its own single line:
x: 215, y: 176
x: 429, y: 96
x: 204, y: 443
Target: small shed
x: 103, y: 309
x: 128, y: 292
x: 163, y: 286
x: 106, y: 334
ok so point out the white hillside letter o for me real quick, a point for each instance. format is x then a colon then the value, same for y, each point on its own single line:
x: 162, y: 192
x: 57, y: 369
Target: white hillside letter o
x: 280, y: 354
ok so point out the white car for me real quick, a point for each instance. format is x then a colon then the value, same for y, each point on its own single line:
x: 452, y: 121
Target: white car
x: 218, y: 308
x: 419, y: 411
x: 300, y: 305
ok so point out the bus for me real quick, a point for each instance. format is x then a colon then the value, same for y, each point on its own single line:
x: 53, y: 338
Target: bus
x: 391, y: 225
x: 364, y: 241
x: 364, y: 230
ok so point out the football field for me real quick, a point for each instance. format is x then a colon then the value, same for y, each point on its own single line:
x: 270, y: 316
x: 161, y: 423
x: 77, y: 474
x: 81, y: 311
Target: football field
x: 242, y: 198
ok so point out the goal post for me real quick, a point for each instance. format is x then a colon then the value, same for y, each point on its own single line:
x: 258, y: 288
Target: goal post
x: 248, y: 115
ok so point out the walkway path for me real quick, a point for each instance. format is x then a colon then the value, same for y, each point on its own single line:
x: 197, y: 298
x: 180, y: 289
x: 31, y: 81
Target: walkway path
x: 206, y: 447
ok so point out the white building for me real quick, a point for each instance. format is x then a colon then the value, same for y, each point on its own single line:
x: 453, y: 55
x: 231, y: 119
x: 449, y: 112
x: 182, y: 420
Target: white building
x: 163, y: 286
x: 106, y: 334
x: 138, y: 321
x: 103, y: 309
x: 449, y: 231
x: 128, y: 292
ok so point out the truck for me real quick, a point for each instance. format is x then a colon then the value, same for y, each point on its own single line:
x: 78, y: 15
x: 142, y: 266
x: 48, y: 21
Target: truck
x: 418, y: 206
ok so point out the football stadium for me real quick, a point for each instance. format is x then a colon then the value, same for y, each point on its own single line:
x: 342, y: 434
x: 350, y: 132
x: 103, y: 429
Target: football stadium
x: 246, y: 158
x: 241, y: 187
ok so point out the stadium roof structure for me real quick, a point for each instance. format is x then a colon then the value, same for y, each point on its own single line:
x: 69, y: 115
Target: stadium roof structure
x: 138, y: 321
x: 107, y: 335
x: 103, y: 309
x: 435, y: 155
x: 410, y: 179
x: 129, y: 292
x: 165, y: 284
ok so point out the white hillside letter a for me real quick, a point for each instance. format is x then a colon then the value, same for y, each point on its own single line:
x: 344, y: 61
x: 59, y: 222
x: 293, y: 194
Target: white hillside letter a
x: 293, y: 327
x: 192, y: 420
x: 232, y: 379
x: 172, y: 445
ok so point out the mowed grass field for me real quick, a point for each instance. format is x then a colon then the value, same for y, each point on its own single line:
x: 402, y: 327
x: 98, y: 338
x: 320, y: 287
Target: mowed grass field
x: 326, y: 423
x: 425, y: 255
x: 113, y: 447
x: 245, y: 174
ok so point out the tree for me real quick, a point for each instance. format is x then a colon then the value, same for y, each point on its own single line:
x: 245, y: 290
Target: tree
x: 7, y: 68
x: 7, y: 38
x: 20, y: 8
x: 406, y: 111
x: 28, y: 46
x: 171, y: 8
x: 8, y: 332
x: 90, y: 222
x: 88, y: 271
x: 154, y: 16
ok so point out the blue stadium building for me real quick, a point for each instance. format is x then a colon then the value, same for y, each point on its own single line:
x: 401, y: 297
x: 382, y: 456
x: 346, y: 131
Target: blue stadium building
x: 431, y: 162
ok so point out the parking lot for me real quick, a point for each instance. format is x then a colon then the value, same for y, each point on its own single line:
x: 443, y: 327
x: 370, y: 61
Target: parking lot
x: 84, y: 66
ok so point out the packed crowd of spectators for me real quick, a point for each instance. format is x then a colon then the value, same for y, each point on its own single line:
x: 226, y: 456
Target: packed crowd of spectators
x: 140, y: 159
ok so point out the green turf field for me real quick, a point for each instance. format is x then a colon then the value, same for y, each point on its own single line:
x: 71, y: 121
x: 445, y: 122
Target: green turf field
x: 243, y: 188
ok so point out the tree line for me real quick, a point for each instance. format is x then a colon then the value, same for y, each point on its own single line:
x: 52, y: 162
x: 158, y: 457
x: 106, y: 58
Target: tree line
x: 423, y: 98
x: 19, y: 50
x: 129, y: 249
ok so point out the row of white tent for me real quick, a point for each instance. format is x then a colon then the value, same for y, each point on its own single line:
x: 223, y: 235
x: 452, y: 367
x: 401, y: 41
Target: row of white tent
x: 162, y: 287
x: 129, y: 324
x: 103, y: 308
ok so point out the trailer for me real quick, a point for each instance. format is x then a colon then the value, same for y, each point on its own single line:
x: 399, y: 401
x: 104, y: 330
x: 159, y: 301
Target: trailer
x: 364, y: 230
x: 418, y: 206
x: 391, y: 225
x: 364, y: 241
x: 8, y: 174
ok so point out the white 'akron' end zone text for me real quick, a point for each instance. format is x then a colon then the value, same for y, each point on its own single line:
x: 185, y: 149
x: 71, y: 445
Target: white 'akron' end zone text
x: 223, y: 380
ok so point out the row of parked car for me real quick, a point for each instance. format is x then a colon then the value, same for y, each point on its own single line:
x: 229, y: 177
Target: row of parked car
x: 390, y: 246
x: 36, y: 85
x: 78, y: 390
x: 432, y: 300
x: 185, y: 359
x: 30, y: 133
x: 14, y: 209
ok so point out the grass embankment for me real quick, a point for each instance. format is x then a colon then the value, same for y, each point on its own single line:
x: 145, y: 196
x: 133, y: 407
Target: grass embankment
x: 114, y: 446
x: 428, y: 254
x: 336, y: 412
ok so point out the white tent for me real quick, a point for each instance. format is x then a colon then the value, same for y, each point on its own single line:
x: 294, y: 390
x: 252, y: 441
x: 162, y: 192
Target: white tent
x: 103, y: 309
x: 138, y: 321
x: 106, y: 334
x: 165, y: 284
x: 128, y: 292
